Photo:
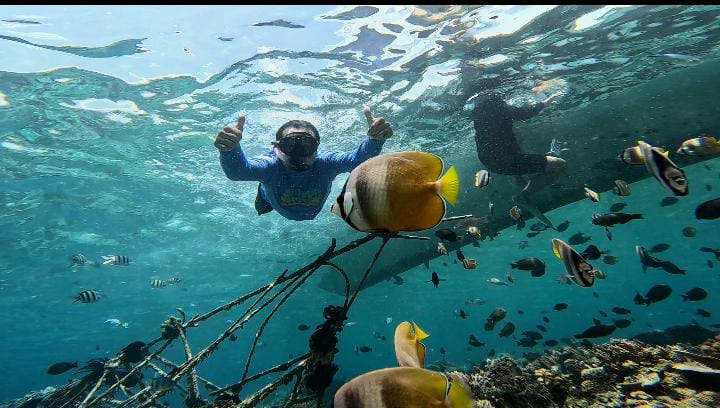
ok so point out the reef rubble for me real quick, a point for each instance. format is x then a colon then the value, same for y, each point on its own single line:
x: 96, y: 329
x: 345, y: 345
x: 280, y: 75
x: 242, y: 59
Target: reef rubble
x: 620, y: 373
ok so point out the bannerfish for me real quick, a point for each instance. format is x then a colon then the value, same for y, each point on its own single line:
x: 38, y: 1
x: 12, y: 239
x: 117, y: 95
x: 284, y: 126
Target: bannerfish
x: 592, y: 195
x: 614, y: 218
x: 409, y: 350
x: 667, y: 173
x: 598, y: 330
x: 621, y: 188
x: 581, y: 272
x: 700, y: 146
x: 709, y: 210
x: 402, y: 387
x: 656, y: 294
x: 87, y: 296
x: 393, y: 192
x: 482, y: 178
x: 633, y: 155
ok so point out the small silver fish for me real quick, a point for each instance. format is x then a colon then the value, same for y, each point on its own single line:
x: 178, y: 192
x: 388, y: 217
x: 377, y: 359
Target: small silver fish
x: 556, y: 148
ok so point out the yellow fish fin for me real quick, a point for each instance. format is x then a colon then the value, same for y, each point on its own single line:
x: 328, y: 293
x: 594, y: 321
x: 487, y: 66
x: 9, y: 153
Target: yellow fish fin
x: 419, y: 333
x: 450, y: 186
x: 666, y: 153
x: 458, y: 396
x: 556, y: 251
x: 421, y: 354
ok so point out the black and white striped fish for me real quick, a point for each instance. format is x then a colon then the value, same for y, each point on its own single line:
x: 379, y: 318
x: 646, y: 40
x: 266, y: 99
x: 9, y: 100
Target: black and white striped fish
x: 664, y: 170
x: 592, y: 195
x: 174, y: 280
x: 482, y: 178
x: 116, y: 260
x: 87, y: 296
x: 77, y: 260
x: 556, y: 148
x: 158, y: 283
x: 621, y: 188
x: 577, y: 269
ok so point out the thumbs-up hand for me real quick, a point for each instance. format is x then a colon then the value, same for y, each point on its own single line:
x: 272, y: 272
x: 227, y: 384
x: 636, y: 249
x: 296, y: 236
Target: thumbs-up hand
x: 229, y: 137
x: 378, y: 127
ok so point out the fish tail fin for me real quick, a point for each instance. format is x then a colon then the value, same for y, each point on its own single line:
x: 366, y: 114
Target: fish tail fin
x: 449, y: 186
x: 419, y: 333
x: 513, y: 265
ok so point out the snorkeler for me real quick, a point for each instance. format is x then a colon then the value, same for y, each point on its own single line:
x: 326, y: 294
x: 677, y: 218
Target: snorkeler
x: 295, y: 179
x: 499, y: 151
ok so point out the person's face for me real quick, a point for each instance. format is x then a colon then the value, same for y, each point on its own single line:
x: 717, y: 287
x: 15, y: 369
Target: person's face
x: 293, y: 164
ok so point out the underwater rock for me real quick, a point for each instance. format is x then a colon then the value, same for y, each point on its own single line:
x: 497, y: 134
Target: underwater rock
x: 689, y: 333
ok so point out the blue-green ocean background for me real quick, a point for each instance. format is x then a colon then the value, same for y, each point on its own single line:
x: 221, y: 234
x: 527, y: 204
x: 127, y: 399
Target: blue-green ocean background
x: 107, y: 118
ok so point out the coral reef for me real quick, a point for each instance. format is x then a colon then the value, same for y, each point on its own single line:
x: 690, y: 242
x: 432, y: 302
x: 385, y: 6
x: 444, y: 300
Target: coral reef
x: 620, y: 373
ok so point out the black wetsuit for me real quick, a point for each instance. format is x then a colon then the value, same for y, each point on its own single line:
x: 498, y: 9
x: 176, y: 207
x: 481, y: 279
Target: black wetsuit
x: 496, y: 145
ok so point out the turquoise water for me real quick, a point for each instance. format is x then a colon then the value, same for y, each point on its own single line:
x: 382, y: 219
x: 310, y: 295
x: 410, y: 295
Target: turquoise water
x: 107, y: 122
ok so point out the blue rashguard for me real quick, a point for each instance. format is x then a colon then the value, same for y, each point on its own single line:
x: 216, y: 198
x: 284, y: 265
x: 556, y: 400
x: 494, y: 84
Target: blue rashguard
x: 296, y: 195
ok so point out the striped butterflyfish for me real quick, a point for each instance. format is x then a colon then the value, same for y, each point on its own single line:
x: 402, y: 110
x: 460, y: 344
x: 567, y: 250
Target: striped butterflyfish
x: 116, y: 260
x: 402, y: 387
x: 87, y: 296
x: 409, y: 350
x: 664, y: 170
x: 581, y: 272
x: 482, y: 178
x: 394, y: 192
x: 621, y: 188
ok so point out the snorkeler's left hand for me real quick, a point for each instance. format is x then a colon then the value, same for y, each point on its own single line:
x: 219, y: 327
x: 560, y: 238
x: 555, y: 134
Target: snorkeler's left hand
x: 379, y: 128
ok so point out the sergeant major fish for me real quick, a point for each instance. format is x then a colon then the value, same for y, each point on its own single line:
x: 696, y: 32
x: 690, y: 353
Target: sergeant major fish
x: 116, y: 260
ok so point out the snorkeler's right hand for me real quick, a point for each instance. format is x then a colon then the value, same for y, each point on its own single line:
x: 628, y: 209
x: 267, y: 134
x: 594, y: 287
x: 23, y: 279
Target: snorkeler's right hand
x: 229, y: 137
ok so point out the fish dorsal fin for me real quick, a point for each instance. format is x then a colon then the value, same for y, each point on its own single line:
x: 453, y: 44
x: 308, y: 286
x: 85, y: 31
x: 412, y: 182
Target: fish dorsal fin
x: 433, y: 164
x: 419, y: 333
x: 450, y: 186
x: 457, y: 395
